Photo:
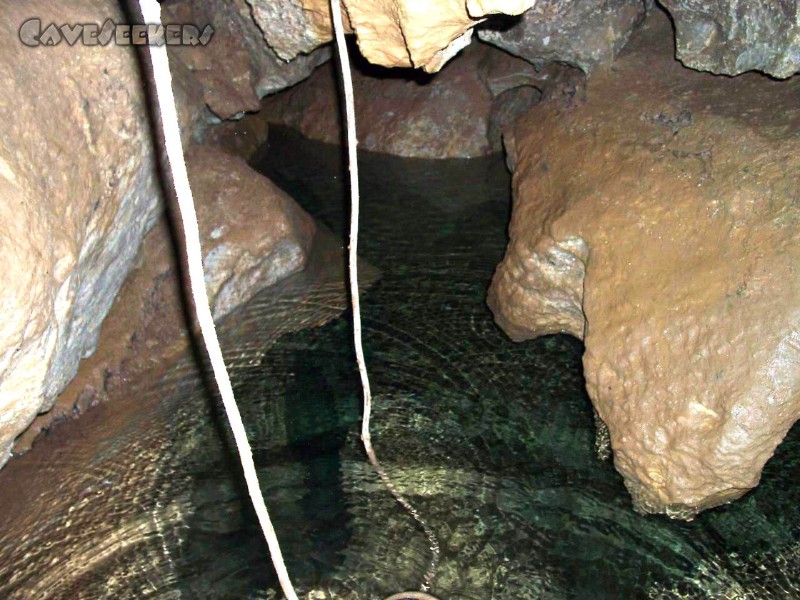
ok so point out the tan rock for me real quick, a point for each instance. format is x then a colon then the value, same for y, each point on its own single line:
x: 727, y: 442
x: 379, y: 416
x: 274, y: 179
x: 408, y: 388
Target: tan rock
x: 391, y: 33
x: 79, y: 192
x: 664, y: 209
x: 77, y: 179
x: 254, y: 234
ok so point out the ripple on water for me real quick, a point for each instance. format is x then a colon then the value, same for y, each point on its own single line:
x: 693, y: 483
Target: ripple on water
x: 492, y: 441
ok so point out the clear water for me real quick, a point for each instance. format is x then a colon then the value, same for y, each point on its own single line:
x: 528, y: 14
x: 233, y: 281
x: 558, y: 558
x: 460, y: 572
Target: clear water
x: 492, y: 441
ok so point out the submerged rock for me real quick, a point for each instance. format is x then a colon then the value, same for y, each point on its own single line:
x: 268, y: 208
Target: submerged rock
x: 734, y: 37
x: 459, y: 112
x: 659, y: 221
x: 581, y: 33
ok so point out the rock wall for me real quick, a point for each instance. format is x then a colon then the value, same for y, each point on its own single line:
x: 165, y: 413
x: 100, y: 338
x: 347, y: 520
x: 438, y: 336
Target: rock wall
x: 391, y: 33
x: 252, y: 235
x: 459, y: 112
x: 732, y: 37
x: 582, y: 33
x: 238, y: 68
x: 719, y: 36
x: 79, y: 194
x: 659, y: 221
x: 80, y: 185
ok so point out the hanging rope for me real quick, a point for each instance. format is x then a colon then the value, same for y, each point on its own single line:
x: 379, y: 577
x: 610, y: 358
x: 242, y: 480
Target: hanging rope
x: 366, y: 438
x: 151, y: 11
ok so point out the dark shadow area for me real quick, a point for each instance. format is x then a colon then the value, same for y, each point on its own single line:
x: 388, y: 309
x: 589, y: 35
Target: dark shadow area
x: 499, y: 23
x: 366, y: 68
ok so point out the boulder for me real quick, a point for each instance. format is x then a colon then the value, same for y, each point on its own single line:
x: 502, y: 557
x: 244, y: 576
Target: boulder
x: 581, y: 33
x: 659, y: 221
x: 391, y: 33
x: 459, y: 112
x: 79, y: 192
x: 237, y: 68
x: 733, y: 37
x: 253, y: 234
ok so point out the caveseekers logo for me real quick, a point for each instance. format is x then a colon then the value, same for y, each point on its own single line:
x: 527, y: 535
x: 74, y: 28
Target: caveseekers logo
x: 33, y: 33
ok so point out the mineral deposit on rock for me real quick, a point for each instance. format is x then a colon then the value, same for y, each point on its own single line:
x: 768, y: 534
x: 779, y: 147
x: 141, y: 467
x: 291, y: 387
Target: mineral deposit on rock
x: 659, y: 221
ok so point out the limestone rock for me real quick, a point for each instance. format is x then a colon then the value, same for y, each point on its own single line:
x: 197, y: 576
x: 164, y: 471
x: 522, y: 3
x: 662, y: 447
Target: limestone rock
x: 659, y: 220
x: 459, y: 112
x: 293, y: 27
x: 733, y: 37
x: 253, y: 233
x: 391, y: 33
x: 78, y: 186
x: 582, y: 33
x: 237, y: 68
x: 246, y: 220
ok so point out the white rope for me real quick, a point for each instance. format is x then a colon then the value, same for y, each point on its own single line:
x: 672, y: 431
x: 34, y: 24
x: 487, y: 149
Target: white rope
x: 352, y: 159
x: 151, y: 11
x: 366, y: 438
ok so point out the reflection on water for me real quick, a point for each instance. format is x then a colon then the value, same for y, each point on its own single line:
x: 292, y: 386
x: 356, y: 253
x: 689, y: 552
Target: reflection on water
x: 492, y: 441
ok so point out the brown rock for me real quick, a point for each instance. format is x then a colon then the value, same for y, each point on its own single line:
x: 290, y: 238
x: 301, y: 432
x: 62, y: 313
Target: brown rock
x: 237, y: 67
x: 240, y: 138
x: 659, y: 221
x: 252, y: 235
x: 459, y: 112
x: 78, y: 186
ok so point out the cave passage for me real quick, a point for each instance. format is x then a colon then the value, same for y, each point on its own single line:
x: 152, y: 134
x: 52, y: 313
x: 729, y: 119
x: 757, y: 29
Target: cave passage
x: 492, y: 441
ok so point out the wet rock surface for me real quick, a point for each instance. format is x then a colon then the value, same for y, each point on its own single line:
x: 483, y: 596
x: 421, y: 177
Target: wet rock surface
x: 734, y: 37
x: 658, y: 220
x: 491, y: 441
x: 81, y: 191
x: 107, y: 541
x: 582, y: 33
x: 253, y: 234
x: 459, y: 112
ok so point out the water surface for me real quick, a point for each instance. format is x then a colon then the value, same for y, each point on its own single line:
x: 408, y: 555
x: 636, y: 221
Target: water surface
x: 492, y: 441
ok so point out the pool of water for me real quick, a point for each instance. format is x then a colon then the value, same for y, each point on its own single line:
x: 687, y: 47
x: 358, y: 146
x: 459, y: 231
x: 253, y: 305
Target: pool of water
x: 492, y: 441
